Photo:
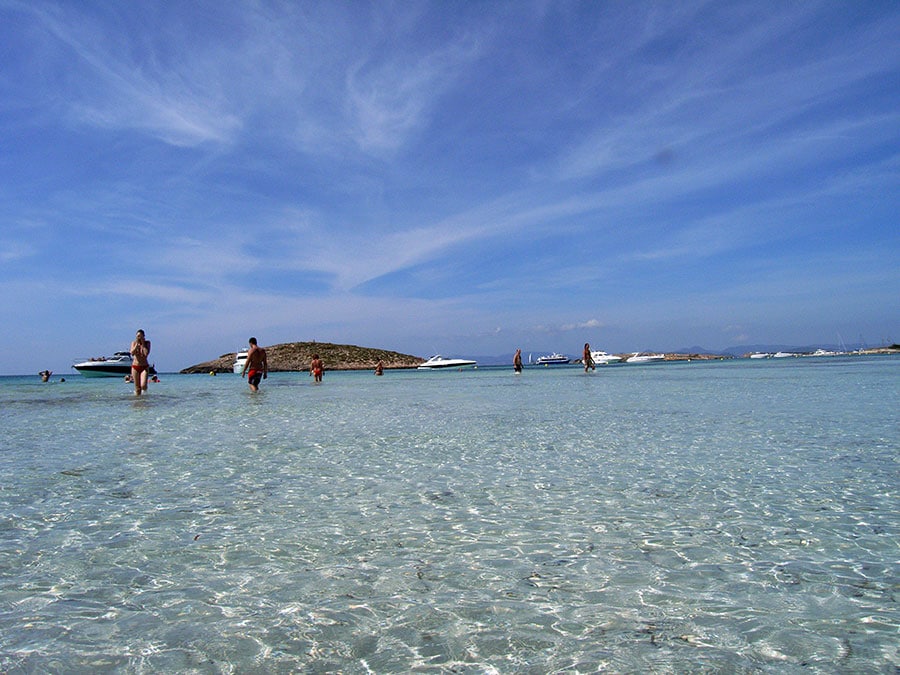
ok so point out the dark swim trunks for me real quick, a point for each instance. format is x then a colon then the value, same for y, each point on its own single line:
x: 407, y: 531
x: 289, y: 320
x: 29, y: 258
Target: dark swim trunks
x: 254, y: 377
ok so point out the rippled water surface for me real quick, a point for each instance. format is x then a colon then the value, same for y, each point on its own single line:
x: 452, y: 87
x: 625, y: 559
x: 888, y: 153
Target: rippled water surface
x: 704, y: 517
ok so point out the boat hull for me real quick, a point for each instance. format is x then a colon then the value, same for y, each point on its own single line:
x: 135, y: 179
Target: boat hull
x: 439, y: 363
x: 647, y: 358
x: 448, y: 366
x: 118, y: 365
x: 546, y: 361
x: 108, y: 370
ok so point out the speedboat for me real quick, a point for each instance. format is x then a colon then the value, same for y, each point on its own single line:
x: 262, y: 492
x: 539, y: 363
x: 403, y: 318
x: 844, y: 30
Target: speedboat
x: 602, y: 358
x: 638, y: 357
x: 824, y: 352
x: 438, y: 362
x: 239, y: 360
x: 761, y: 355
x: 784, y: 355
x: 553, y: 359
x: 117, y: 365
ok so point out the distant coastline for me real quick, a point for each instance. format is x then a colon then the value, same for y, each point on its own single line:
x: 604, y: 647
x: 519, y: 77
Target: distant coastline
x: 295, y: 356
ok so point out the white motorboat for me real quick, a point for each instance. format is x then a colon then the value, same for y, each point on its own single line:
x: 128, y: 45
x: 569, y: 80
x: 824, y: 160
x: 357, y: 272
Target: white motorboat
x: 601, y: 358
x: 824, y: 352
x: 553, y: 359
x: 117, y: 365
x: 438, y: 362
x: 760, y: 355
x: 639, y: 357
x: 239, y: 360
x: 784, y: 355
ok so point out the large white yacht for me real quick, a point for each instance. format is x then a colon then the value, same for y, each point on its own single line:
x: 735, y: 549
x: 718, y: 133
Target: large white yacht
x: 552, y: 359
x: 117, y: 365
x: 239, y: 360
x: 438, y: 362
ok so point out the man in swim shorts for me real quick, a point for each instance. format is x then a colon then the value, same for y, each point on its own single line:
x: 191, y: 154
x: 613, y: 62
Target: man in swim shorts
x: 316, y: 368
x: 256, y: 366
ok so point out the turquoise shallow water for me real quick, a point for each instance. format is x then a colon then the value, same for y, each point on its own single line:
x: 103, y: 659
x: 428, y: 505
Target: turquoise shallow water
x: 702, y: 517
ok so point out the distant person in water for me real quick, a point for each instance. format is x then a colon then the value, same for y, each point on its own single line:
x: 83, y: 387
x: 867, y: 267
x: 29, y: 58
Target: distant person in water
x: 517, y: 361
x: 45, y: 375
x: 379, y: 368
x: 586, y: 358
x: 256, y: 366
x: 140, y: 366
x: 316, y: 368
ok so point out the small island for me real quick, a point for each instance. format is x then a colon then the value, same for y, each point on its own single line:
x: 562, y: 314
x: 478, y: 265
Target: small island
x: 295, y: 356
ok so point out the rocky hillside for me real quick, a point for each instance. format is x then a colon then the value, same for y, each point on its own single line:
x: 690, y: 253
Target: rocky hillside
x: 293, y: 356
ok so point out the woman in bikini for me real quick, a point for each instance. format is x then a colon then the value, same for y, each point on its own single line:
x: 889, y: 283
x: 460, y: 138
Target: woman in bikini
x: 586, y: 358
x: 140, y: 367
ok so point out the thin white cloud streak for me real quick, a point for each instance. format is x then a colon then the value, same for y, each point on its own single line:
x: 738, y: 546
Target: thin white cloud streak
x: 738, y: 143
x: 518, y: 212
x: 736, y: 111
x: 111, y: 90
x: 390, y: 100
x: 728, y: 229
x: 210, y: 260
x: 155, y: 292
x: 16, y: 250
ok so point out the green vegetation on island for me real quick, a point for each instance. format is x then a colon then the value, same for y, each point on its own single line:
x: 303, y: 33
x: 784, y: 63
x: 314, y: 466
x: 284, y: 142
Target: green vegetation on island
x: 295, y: 356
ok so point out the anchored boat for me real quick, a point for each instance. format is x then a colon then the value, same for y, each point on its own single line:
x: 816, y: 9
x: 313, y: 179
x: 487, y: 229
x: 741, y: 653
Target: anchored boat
x: 117, y: 365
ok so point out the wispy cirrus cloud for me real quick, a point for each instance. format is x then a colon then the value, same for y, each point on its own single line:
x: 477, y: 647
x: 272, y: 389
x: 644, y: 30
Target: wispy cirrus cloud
x: 16, y: 250
x: 390, y: 98
x: 109, y: 85
x: 342, y: 167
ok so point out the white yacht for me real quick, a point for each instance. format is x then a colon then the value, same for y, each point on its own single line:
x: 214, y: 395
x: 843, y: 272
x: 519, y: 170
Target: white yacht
x: 117, y: 365
x: 239, y: 360
x: 639, y: 357
x: 760, y: 355
x: 601, y: 358
x: 553, y: 359
x: 824, y: 352
x: 784, y: 355
x: 438, y: 362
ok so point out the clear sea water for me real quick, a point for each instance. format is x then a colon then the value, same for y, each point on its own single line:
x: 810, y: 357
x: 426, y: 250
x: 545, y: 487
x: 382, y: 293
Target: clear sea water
x: 736, y: 517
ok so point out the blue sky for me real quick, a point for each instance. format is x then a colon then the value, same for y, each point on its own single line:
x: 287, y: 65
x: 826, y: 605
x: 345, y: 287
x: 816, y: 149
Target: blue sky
x: 463, y: 178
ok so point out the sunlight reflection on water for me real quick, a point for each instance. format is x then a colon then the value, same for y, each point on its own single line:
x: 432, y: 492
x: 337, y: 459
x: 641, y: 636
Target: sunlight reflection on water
x: 728, y: 517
